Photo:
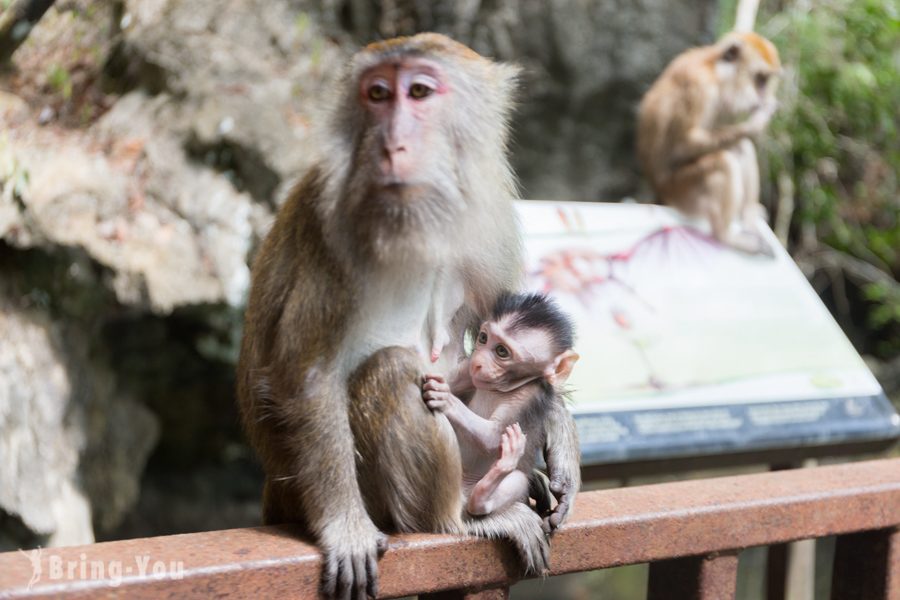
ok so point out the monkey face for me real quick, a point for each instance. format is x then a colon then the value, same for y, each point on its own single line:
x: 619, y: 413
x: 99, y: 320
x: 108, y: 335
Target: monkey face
x: 405, y: 100
x: 506, y: 358
x: 415, y: 151
x: 747, y: 69
x: 404, y: 195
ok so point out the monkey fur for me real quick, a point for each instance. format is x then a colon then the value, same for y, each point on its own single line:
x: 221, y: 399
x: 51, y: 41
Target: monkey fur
x: 695, y: 130
x: 410, y: 201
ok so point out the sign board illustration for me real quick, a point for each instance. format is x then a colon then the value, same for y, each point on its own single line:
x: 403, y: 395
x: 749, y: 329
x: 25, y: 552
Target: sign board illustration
x: 689, y: 347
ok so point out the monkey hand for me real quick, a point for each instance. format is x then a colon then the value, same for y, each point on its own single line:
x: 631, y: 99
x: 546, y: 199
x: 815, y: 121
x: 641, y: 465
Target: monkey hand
x: 512, y: 448
x: 563, y: 489
x: 436, y: 393
x: 350, y: 549
x: 759, y: 118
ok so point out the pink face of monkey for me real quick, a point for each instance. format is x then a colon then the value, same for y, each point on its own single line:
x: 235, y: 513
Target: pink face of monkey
x: 407, y: 101
x: 504, y: 359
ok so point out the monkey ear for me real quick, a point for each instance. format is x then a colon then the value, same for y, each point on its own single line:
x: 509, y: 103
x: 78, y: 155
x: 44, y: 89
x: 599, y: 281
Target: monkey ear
x: 731, y: 53
x: 558, y: 371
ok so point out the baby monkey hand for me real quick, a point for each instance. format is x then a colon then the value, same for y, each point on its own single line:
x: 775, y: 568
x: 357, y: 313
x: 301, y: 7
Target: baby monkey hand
x: 436, y: 393
x: 512, y: 448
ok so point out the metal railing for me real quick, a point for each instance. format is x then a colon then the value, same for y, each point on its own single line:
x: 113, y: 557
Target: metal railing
x: 690, y: 532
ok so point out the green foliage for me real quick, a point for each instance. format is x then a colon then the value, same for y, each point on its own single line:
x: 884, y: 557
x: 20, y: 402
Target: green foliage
x: 837, y: 134
x: 302, y: 23
x: 59, y: 79
x: 303, y: 26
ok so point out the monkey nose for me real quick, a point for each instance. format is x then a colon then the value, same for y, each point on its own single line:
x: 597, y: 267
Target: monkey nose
x: 394, y: 146
x: 396, y: 161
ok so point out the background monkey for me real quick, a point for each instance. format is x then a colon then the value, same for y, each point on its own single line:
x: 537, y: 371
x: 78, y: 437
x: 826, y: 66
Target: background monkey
x: 522, y: 356
x: 341, y: 317
x: 695, y: 126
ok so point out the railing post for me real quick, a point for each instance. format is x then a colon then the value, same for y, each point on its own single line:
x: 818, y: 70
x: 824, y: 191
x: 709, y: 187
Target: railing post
x: 710, y: 577
x: 791, y: 570
x: 776, y: 571
x: 501, y: 593
x: 867, y: 566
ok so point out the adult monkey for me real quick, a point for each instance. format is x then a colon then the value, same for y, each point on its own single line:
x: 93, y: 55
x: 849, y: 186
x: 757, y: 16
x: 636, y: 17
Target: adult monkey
x: 695, y: 130
x: 400, y: 235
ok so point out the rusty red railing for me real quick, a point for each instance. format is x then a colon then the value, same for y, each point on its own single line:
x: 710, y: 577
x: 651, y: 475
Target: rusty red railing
x: 690, y: 532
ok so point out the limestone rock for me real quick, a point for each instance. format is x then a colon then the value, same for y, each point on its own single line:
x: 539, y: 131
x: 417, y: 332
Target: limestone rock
x: 55, y: 410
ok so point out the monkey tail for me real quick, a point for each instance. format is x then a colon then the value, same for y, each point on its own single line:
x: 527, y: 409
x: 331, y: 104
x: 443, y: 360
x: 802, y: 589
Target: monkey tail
x: 523, y: 527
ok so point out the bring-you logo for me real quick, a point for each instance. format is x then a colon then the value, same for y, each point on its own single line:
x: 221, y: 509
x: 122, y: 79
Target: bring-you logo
x: 46, y: 566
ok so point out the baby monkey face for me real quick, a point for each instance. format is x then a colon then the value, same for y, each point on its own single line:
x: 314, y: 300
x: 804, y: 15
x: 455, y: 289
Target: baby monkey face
x: 506, y: 358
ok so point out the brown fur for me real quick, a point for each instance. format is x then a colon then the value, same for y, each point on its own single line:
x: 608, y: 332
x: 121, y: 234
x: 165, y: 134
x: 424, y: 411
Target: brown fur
x: 403, y: 491
x: 269, y: 360
x: 763, y: 47
x: 426, y: 43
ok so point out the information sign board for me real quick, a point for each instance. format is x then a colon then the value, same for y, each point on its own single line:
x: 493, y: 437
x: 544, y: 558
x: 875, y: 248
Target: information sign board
x: 689, y: 347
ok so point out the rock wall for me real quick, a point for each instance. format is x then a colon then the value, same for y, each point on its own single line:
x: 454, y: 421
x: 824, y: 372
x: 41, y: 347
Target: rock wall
x: 72, y: 443
x: 145, y: 145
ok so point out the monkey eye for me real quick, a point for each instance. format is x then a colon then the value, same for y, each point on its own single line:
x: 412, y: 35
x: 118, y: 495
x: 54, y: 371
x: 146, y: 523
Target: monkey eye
x: 731, y: 54
x: 502, y: 351
x: 420, y: 90
x: 761, y: 80
x: 482, y: 337
x: 378, y: 92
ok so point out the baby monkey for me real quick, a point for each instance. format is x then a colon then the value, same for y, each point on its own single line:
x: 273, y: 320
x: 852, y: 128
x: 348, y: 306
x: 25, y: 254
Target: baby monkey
x: 522, y: 357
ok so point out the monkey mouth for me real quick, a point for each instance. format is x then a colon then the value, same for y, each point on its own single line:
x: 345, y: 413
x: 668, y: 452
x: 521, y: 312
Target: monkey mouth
x: 391, y: 182
x: 407, y: 200
x: 394, y: 189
